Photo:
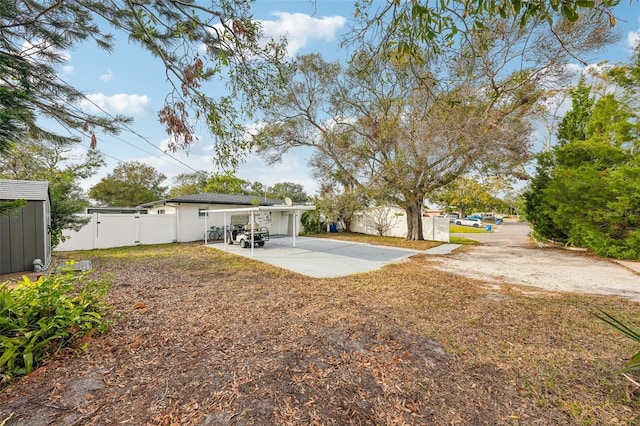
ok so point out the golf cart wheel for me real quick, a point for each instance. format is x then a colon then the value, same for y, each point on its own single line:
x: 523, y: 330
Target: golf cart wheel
x: 244, y: 243
x: 261, y: 244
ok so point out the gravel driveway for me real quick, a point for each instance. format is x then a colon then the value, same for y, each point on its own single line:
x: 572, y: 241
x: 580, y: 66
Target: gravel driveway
x: 507, y: 256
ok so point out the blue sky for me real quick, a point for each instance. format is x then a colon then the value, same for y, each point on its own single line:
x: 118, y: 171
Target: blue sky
x: 132, y: 83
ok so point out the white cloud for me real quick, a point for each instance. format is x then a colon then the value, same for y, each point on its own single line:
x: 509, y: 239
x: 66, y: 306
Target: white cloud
x: 633, y: 37
x: 38, y: 50
x: 292, y: 168
x: 300, y: 29
x: 122, y: 103
x: 106, y: 77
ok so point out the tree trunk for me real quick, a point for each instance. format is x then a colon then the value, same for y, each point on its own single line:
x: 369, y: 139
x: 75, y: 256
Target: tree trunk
x: 414, y: 221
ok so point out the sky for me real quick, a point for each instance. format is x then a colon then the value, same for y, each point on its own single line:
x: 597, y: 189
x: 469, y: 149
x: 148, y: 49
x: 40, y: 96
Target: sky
x: 130, y: 82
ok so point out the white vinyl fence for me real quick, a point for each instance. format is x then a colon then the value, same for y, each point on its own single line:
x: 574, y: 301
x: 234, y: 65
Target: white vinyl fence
x: 392, y: 221
x: 120, y: 230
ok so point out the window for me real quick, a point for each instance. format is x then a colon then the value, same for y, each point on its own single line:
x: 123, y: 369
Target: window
x: 202, y: 212
x: 161, y: 211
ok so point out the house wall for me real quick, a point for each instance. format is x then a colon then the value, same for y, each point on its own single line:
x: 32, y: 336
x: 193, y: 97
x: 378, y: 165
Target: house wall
x: 433, y: 228
x: 183, y: 224
x: 24, y: 237
x: 192, y: 226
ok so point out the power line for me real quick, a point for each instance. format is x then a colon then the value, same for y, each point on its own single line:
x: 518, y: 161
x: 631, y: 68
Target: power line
x: 129, y: 129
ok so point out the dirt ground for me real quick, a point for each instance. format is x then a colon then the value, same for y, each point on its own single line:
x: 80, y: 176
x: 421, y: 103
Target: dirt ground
x: 200, y: 337
x: 544, y: 268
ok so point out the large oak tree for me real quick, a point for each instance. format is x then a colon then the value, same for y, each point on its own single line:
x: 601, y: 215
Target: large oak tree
x: 398, y: 129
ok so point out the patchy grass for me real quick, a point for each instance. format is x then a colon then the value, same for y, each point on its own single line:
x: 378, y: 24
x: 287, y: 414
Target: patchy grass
x: 381, y: 241
x: 204, y: 337
x: 454, y: 239
x: 459, y: 229
x: 393, y: 241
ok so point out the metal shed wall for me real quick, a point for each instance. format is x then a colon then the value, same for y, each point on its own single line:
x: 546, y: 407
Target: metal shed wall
x: 24, y: 234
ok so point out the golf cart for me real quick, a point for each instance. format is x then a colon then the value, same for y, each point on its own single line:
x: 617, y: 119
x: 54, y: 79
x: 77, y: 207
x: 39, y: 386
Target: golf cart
x: 241, y: 234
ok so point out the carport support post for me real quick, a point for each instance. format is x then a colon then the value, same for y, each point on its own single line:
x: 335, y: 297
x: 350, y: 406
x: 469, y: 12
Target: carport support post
x: 225, y: 230
x: 206, y: 216
x: 253, y: 241
x: 295, y: 225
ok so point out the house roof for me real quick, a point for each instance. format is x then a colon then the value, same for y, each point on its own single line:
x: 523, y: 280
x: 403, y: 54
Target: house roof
x: 30, y: 190
x: 213, y: 198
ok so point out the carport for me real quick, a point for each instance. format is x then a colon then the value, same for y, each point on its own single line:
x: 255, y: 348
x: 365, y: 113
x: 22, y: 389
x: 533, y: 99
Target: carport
x: 296, y: 210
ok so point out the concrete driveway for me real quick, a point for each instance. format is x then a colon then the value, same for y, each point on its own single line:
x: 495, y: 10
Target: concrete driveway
x: 319, y: 257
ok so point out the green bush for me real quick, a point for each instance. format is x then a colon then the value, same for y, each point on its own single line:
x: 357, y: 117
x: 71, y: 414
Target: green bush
x: 311, y: 222
x: 38, y: 318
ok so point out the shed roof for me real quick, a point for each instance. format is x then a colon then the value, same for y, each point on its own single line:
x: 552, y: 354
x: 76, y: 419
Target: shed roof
x: 30, y: 190
x: 213, y: 198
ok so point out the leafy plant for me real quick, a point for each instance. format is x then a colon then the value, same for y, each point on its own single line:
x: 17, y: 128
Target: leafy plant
x: 630, y: 330
x: 311, y: 222
x: 38, y: 318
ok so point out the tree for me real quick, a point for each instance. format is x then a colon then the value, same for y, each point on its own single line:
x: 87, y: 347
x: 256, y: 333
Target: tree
x: 536, y: 207
x: 407, y: 28
x: 380, y: 218
x: 54, y: 161
x: 189, y: 183
x: 469, y: 194
x: 130, y: 184
x: 574, y: 124
x: 398, y: 130
x: 35, y: 35
x: 293, y: 191
x: 228, y: 184
x: 340, y: 206
x: 586, y: 190
x: 8, y: 207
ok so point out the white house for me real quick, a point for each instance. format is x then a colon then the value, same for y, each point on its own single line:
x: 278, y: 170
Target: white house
x: 182, y: 219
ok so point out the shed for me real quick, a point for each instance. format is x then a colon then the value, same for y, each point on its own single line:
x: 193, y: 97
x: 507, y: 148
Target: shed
x: 25, y: 233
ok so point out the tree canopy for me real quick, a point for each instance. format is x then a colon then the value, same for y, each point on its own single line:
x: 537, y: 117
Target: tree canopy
x: 407, y: 28
x: 130, y: 184
x: 399, y: 130
x: 36, y: 34
x: 189, y: 184
x: 54, y: 161
x: 468, y: 194
x: 586, y: 190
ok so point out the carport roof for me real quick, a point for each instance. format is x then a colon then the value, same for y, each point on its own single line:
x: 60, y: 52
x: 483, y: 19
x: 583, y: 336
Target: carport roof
x: 294, y: 207
x: 214, y: 198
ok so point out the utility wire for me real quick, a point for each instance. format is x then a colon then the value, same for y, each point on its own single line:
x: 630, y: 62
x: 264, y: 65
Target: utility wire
x: 135, y: 133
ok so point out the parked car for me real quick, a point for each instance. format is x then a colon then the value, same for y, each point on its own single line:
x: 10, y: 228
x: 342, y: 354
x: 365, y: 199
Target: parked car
x: 469, y: 221
x: 452, y: 217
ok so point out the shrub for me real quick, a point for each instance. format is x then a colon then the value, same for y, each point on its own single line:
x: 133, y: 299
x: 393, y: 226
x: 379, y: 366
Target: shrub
x: 311, y: 222
x: 38, y: 318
